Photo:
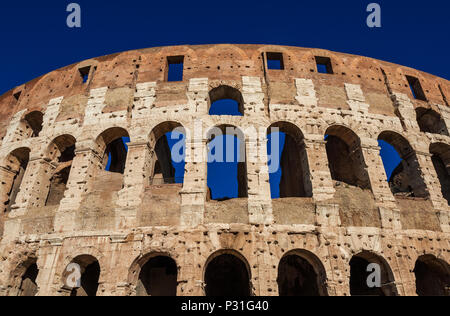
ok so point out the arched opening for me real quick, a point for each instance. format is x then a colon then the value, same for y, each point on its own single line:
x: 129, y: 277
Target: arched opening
x: 16, y: 164
x: 431, y: 121
x: 288, y: 162
x: 361, y: 272
x: 441, y: 161
x: 28, y: 286
x: 169, y: 141
x: 405, y: 179
x: 300, y: 273
x: 90, y: 274
x: 158, y: 277
x: 226, y: 100
x: 227, y: 169
x: 432, y: 276
x: 112, y: 146
x: 33, y: 123
x: 227, y: 274
x: 345, y: 157
x: 61, y: 152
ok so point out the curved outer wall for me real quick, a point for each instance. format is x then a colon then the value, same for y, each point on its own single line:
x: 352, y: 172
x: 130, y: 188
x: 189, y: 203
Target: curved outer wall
x: 119, y: 219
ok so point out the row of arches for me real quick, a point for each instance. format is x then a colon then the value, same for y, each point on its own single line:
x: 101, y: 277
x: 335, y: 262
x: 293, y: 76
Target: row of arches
x: 227, y: 100
x: 228, y: 274
x: 228, y: 178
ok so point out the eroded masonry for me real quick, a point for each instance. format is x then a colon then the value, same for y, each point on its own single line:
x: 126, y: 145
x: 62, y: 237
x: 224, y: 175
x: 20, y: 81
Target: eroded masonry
x: 73, y: 192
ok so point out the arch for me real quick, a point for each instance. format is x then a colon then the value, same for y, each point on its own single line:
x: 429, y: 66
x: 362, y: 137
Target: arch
x: 89, y: 276
x: 441, y: 161
x: 359, y: 276
x: 226, y: 158
x: 431, y: 121
x: 301, y: 273
x: 345, y: 157
x: 62, y: 148
x: 24, y: 278
x: 32, y: 123
x: 111, y: 147
x: 155, y: 274
x: 15, y: 165
x: 61, y: 152
x: 168, y: 169
x: 226, y: 100
x: 432, y: 276
x: 227, y: 273
x: 291, y: 160
x: 407, y: 177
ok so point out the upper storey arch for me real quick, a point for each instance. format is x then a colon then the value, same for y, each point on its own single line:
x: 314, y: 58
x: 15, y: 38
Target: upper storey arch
x: 226, y: 100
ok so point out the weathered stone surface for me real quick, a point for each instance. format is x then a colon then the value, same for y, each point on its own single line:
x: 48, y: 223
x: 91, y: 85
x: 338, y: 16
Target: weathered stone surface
x: 337, y: 208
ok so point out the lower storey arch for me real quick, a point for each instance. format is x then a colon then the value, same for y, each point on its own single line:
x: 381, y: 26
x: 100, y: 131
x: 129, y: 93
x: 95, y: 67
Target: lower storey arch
x: 158, y: 277
x: 84, y: 282
x: 362, y: 267
x: 301, y: 273
x: 432, y: 276
x: 24, y: 278
x: 227, y: 274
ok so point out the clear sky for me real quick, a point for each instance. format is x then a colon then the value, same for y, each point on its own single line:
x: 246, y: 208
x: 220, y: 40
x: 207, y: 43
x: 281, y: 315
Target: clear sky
x: 36, y: 40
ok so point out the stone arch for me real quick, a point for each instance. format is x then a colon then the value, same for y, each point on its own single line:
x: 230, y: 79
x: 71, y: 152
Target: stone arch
x: 345, y: 157
x: 216, y: 140
x: 295, y: 174
x: 32, y: 123
x: 154, y: 274
x: 89, y: 276
x: 61, y: 153
x: 301, y: 273
x: 226, y: 92
x: 431, y: 121
x: 441, y: 160
x: 24, y: 278
x: 162, y: 163
x: 407, y: 177
x: 227, y: 273
x: 12, y: 172
x: 359, y: 275
x: 110, y: 143
x: 432, y: 276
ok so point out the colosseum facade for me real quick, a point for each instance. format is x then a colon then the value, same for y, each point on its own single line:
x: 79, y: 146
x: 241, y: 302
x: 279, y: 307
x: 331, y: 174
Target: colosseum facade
x: 133, y: 230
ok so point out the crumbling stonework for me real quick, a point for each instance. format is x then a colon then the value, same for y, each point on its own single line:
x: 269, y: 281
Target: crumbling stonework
x: 127, y: 229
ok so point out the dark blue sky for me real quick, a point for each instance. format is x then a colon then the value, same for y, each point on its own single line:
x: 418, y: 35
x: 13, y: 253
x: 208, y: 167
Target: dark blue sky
x: 36, y: 40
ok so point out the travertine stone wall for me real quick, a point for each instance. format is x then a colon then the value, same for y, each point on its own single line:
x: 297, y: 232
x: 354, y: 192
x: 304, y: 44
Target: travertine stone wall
x: 122, y: 219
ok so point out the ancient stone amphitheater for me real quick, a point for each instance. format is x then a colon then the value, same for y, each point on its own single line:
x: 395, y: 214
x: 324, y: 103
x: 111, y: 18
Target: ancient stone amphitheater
x: 134, y: 230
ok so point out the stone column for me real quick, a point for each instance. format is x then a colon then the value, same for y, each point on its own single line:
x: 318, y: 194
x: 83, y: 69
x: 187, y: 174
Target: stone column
x: 432, y: 183
x: 34, y: 188
x: 47, y: 268
x: 259, y: 195
x: 193, y: 194
x: 190, y: 279
x: 7, y: 181
x: 389, y: 213
x: 138, y: 170
x: 407, y: 112
x: 84, y: 166
x: 322, y: 183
